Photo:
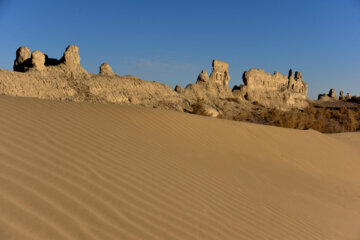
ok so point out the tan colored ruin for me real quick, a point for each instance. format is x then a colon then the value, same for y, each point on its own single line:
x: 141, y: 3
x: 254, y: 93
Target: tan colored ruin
x: 277, y: 90
x: 331, y: 96
x: 341, y: 96
x: 38, y: 60
x: 203, y: 77
x: 37, y: 75
x: 220, y: 73
x: 23, y: 55
x: 348, y: 96
x: 211, y: 89
x: 106, y: 70
x: 68, y: 64
x: 71, y: 57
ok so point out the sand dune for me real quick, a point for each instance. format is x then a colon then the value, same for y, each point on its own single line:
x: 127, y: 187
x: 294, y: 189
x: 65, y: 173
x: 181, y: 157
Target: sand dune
x: 92, y: 171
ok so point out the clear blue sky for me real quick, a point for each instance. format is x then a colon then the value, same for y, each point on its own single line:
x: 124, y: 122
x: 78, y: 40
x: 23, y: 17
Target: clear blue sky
x: 172, y: 41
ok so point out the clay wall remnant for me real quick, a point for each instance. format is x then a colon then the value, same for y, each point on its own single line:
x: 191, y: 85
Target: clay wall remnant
x: 203, y: 77
x: 105, y: 69
x: 22, y: 61
x: 331, y: 96
x: 38, y: 60
x: 220, y: 73
x: 341, y: 96
x: 70, y: 62
x: 273, y: 90
x: 348, y: 96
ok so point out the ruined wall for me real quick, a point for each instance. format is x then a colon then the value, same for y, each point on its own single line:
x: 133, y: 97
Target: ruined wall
x: 209, y: 88
x: 331, y: 96
x: 277, y: 90
x: 38, y: 61
x: 220, y: 73
x: 39, y: 76
x: 258, y: 80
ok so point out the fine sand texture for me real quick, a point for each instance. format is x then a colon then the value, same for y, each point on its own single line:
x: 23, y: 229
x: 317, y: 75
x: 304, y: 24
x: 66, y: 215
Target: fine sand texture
x: 71, y: 170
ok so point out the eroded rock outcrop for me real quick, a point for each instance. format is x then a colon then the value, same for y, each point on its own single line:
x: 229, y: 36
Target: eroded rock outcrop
x: 65, y: 79
x: 179, y: 89
x: 220, y: 73
x: 22, y: 61
x: 348, y: 96
x: 341, y: 96
x: 69, y: 64
x: 71, y: 57
x: 203, y: 77
x: 331, y: 96
x: 106, y: 70
x: 210, y: 94
x: 37, y: 75
x: 277, y: 90
x: 38, y: 60
x: 210, y: 89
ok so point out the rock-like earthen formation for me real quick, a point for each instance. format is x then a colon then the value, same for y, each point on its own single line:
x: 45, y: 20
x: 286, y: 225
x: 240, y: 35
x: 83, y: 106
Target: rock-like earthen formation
x: 209, y: 89
x: 22, y: 61
x: 277, y: 90
x: 341, y: 96
x: 71, y: 56
x: 106, y: 70
x: 38, y: 60
x: 203, y: 77
x: 220, y: 73
x: 179, y: 89
x: 331, y: 96
x: 69, y: 64
x: 348, y: 96
x: 37, y: 75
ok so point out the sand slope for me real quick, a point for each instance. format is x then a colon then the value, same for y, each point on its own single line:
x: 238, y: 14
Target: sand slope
x: 92, y: 171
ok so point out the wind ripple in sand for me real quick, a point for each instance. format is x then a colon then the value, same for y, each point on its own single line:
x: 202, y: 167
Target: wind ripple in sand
x: 92, y: 171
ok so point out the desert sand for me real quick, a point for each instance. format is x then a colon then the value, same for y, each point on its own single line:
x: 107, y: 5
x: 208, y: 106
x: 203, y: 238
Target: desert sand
x: 80, y: 170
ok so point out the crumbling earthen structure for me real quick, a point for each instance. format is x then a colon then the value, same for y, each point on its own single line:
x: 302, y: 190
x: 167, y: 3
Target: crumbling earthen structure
x: 203, y: 77
x: 348, y: 96
x: 37, y: 75
x: 341, y: 96
x: 106, y: 70
x: 275, y: 90
x: 38, y: 61
x: 331, y: 96
x: 220, y: 73
x: 22, y: 61
x: 71, y: 57
x: 209, y: 88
